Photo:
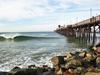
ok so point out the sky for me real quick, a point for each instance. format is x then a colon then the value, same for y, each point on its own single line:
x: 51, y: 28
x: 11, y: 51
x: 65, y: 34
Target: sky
x: 44, y: 15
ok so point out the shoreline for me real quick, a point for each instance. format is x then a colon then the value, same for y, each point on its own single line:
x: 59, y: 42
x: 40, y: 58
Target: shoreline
x: 73, y: 63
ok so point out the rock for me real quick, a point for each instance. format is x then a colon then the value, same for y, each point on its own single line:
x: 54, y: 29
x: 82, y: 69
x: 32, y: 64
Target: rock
x: 92, y: 73
x: 59, y: 72
x: 79, y: 49
x: 67, y: 73
x: 32, y: 67
x: 79, y: 71
x: 57, y: 68
x: 98, y: 60
x: 45, y: 68
x: 68, y: 57
x: 88, y: 57
x: 94, y: 48
x: 26, y: 72
x: 71, y: 71
x: 4, y: 73
x: 40, y: 70
x: 82, y: 54
x: 72, y: 63
x: 97, y: 50
x: 97, y: 70
x: 90, y: 68
x: 14, y: 70
x: 57, y: 60
x: 48, y: 73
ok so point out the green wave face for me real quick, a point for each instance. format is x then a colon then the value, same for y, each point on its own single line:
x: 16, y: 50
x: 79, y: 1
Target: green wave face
x: 24, y: 38
x: 2, y: 38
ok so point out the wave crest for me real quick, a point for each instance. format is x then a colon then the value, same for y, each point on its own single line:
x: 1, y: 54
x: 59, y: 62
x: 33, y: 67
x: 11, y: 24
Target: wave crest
x: 19, y: 37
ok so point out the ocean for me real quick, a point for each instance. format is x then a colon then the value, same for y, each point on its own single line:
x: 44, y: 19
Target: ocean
x: 26, y: 48
x: 29, y: 48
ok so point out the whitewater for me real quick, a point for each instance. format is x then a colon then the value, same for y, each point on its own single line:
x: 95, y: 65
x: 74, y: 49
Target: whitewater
x: 29, y: 48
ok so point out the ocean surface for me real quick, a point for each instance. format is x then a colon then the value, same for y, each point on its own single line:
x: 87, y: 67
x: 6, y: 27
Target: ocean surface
x: 28, y: 48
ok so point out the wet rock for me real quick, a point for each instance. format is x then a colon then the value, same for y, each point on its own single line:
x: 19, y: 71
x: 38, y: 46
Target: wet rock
x: 26, y: 72
x: 32, y: 67
x: 49, y: 73
x: 39, y: 70
x: 14, y: 70
x: 4, y: 73
x: 45, y: 68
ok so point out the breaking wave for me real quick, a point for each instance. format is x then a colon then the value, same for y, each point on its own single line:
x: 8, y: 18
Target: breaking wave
x: 19, y: 37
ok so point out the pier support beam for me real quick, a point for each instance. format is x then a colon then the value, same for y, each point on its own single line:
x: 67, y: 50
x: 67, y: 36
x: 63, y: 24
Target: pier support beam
x: 94, y: 32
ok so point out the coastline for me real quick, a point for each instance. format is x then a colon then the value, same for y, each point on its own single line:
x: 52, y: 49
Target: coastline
x: 76, y: 63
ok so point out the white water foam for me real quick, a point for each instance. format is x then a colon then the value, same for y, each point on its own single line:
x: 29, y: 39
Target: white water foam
x: 10, y: 36
x: 24, y: 60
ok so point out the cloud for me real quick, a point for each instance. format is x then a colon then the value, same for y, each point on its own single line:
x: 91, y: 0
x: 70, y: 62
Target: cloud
x: 23, y: 9
x: 44, y: 12
x: 80, y: 4
x: 13, y: 10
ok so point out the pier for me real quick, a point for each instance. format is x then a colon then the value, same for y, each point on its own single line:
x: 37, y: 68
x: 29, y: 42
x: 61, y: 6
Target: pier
x: 84, y: 29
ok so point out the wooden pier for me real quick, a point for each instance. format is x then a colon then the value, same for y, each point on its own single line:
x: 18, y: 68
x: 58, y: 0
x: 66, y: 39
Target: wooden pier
x: 82, y: 29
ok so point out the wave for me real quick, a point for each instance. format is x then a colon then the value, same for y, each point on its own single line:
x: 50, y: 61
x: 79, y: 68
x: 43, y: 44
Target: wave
x: 23, y: 37
x: 2, y: 38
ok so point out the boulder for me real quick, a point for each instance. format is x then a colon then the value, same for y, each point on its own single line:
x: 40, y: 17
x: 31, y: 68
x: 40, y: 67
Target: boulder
x: 73, y: 63
x: 88, y: 57
x: 98, y: 62
x: 59, y: 72
x: 92, y: 73
x: 67, y: 73
x: 82, y: 54
x: 57, y: 60
x: 26, y: 72
x: 79, y: 71
x: 97, y: 50
x: 32, y: 67
x: 14, y: 70
x: 90, y: 68
x: 68, y: 57
x: 4, y: 73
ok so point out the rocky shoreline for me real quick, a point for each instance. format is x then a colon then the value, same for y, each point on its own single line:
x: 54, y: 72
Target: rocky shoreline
x: 75, y: 63
x: 78, y: 63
